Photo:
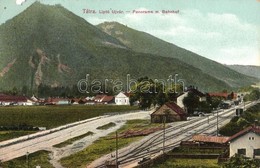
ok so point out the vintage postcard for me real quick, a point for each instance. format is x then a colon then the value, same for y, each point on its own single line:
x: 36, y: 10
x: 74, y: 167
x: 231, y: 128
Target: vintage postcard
x: 129, y: 83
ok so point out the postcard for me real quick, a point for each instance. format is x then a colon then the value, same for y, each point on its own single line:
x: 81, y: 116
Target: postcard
x: 129, y: 83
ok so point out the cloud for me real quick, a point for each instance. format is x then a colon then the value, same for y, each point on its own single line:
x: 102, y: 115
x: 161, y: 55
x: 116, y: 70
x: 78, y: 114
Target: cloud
x: 20, y: 2
x: 222, y: 37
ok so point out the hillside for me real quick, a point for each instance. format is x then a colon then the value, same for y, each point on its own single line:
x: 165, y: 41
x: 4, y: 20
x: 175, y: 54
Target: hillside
x: 248, y: 70
x: 50, y: 45
x: 146, y: 43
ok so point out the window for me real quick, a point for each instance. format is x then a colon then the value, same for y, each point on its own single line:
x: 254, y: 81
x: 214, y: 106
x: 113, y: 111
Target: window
x: 257, y: 152
x: 241, y: 151
x: 251, y: 138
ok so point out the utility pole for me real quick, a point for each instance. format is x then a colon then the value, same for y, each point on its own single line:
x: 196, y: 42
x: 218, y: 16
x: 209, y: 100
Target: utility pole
x: 164, y: 120
x: 27, y: 159
x: 116, y: 150
x: 217, y: 122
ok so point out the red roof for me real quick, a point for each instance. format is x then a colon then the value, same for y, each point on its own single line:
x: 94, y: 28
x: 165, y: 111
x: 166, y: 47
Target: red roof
x: 255, y: 129
x: 219, y: 94
x: 99, y: 96
x: 12, y: 98
x: 176, y: 108
x: 107, y: 98
x: 212, y: 139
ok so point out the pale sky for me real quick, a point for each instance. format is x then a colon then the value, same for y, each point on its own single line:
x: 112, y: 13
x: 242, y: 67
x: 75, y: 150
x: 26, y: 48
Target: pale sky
x: 227, y: 31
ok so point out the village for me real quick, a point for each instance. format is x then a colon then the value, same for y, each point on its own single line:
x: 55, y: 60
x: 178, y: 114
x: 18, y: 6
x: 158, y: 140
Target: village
x: 204, y: 146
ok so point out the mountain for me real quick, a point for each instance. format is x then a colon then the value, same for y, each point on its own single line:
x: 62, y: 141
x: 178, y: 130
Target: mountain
x: 142, y: 42
x: 248, y: 70
x: 49, y: 45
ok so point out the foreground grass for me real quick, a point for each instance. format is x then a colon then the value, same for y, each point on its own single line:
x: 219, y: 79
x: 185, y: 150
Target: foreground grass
x: 70, y: 141
x: 54, y: 116
x: 5, y: 135
x: 105, y: 145
x: 188, y: 163
x: 107, y: 126
x: 40, y: 158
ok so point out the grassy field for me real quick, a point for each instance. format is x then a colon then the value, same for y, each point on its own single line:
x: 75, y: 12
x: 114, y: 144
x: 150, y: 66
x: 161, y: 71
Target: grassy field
x: 105, y: 145
x: 188, y: 163
x: 70, y: 141
x: 50, y: 116
x: 53, y: 116
x: 40, y: 158
x: 106, y: 126
x: 5, y: 135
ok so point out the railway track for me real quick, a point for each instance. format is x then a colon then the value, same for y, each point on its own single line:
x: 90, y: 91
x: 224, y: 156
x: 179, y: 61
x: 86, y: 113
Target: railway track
x: 153, y: 144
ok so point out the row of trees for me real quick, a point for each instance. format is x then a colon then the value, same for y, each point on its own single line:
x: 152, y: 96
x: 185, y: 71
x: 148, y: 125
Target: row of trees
x: 148, y: 92
x: 253, y: 95
x: 238, y: 123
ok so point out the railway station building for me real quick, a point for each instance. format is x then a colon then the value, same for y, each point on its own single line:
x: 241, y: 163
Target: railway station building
x: 169, y: 112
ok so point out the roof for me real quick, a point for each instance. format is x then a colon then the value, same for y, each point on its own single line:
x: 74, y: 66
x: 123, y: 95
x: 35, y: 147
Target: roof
x: 12, y: 98
x: 107, y: 98
x: 99, y: 96
x: 173, y: 107
x: 176, y: 108
x: 255, y: 129
x: 56, y: 100
x: 211, y: 139
x: 123, y: 94
x: 219, y: 94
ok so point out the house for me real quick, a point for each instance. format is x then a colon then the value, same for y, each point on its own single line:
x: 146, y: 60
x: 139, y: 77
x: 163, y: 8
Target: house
x: 98, y: 98
x: 7, y: 100
x: 122, y: 99
x: 211, y: 140
x: 246, y: 142
x: 108, y: 100
x: 170, y: 111
x: 57, y: 101
x: 104, y: 99
x: 202, y: 96
x: 180, y: 100
x: 224, y: 95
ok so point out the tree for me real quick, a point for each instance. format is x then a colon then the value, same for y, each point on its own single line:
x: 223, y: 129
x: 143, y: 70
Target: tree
x: 191, y: 102
x: 239, y: 161
x: 254, y: 95
x: 148, y: 93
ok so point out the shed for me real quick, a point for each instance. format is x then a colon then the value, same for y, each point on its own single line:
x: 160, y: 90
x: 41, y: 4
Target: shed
x: 170, y: 111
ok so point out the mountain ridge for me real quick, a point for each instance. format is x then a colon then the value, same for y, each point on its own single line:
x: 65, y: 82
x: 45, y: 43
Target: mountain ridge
x: 249, y: 70
x: 49, y: 45
x: 143, y: 42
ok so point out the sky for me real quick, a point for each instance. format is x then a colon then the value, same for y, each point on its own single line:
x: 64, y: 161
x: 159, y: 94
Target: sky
x: 227, y: 31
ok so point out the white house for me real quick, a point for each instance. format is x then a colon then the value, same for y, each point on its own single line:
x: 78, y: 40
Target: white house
x: 246, y: 142
x: 201, y: 96
x: 180, y: 100
x: 122, y: 99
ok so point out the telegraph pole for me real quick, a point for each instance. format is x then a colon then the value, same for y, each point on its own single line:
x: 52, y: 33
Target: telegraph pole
x: 27, y: 159
x: 217, y: 122
x: 164, y: 120
x: 116, y: 150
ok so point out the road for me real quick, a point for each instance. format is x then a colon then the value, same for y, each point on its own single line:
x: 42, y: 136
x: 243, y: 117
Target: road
x: 152, y: 145
x: 45, y: 142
